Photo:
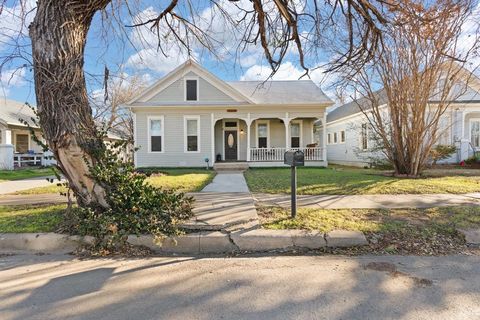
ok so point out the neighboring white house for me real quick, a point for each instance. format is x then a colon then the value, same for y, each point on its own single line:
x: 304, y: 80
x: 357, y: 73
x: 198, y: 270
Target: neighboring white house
x: 348, y: 135
x: 17, y: 146
x: 190, y: 115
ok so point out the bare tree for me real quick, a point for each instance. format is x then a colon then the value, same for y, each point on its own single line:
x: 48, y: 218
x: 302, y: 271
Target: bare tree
x: 108, y: 104
x: 59, y: 31
x: 421, y: 70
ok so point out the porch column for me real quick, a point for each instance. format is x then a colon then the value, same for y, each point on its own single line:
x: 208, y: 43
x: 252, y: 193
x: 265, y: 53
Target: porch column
x: 6, y: 150
x: 324, y: 137
x: 212, y: 138
x: 248, y: 122
x: 6, y: 136
x: 286, y: 121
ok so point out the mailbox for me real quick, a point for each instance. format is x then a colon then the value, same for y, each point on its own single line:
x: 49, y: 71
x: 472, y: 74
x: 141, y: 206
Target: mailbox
x: 294, y: 158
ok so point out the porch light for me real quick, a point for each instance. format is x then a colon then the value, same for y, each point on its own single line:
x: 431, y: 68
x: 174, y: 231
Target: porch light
x: 241, y: 131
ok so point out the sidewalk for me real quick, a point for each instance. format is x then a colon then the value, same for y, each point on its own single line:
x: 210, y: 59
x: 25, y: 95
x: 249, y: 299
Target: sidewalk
x: 228, y: 182
x: 383, y: 201
x: 25, y: 184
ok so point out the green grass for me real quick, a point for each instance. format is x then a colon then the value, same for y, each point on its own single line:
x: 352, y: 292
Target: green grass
x: 36, y: 218
x: 8, y: 175
x: 444, y: 219
x: 184, y: 180
x: 348, y: 181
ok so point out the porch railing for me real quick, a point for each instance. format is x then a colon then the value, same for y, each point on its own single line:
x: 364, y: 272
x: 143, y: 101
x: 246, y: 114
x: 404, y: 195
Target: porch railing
x: 276, y: 154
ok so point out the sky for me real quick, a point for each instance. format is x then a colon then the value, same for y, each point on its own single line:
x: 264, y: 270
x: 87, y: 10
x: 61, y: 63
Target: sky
x: 134, y: 51
x: 129, y: 52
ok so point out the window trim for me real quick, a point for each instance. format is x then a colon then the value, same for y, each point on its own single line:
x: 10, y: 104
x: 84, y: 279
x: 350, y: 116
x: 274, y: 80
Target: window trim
x: 149, y: 119
x: 329, y: 138
x: 267, y: 122
x: 300, y: 123
x: 15, y: 140
x: 185, y: 129
x: 335, y: 137
x: 361, y: 136
x: 470, y: 131
x: 344, y: 136
x: 185, y: 88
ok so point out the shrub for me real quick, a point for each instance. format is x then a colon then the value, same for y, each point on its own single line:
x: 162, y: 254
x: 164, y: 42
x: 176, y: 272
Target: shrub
x: 134, y: 206
x: 441, y: 152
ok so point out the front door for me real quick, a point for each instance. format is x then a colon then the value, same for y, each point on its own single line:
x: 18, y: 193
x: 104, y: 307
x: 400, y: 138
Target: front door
x: 231, y: 145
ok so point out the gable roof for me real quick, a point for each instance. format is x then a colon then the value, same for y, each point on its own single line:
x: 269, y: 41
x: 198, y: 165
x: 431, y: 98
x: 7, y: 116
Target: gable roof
x: 282, y: 92
x: 12, y: 111
x: 299, y: 92
x: 471, y: 94
x: 179, y: 72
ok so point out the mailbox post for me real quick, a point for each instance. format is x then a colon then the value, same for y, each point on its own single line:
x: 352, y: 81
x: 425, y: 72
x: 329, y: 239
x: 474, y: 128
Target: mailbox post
x: 294, y: 159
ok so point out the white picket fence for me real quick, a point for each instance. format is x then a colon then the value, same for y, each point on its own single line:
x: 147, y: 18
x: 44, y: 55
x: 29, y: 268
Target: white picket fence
x: 276, y: 154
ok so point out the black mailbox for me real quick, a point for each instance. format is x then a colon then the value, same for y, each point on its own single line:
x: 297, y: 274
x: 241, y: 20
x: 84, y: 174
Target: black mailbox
x: 294, y: 158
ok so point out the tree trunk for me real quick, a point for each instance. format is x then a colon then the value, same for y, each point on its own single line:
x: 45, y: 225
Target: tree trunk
x: 58, y: 34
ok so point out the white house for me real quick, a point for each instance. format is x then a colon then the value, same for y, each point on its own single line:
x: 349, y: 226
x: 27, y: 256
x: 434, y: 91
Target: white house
x: 17, y: 146
x: 348, y: 140
x: 190, y: 116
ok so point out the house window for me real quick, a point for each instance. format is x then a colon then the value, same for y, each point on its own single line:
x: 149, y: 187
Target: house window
x: 335, y: 137
x: 364, y: 137
x: 191, y: 87
x: 475, y: 133
x: 192, y: 133
x: 262, y: 134
x: 21, y: 143
x: 329, y: 138
x: 295, y: 135
x: 342, y: 136
x: 444, y: 131
x: 156, y: 134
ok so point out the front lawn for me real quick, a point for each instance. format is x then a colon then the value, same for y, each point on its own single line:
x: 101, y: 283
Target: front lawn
x: 184, y: 180
x: 18, y: 174
x: 30, y: 218
x: 348, y: 181
x: 405, y: 231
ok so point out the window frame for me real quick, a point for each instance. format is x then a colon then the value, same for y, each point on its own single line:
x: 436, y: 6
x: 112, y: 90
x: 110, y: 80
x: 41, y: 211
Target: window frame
x: 366, y: 136
x: 185, y: 88
x: 300, y: 128
x: 15, y: 140
x: 343, y: 136
x: 185, y: 132
x: 258, y: 122
x: 335, y: 137
x: 149, y: 119
x: 329, y: 138
x: 470, y: 133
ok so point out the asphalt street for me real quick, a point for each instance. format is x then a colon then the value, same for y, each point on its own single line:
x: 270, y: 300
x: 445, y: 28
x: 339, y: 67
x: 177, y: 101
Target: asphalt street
x: 260, y: 287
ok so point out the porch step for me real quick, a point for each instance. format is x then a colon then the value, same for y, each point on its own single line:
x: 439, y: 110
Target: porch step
x: 230, y: 166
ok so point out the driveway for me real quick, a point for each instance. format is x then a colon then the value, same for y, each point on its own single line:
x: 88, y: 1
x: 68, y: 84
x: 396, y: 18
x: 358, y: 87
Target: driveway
x: 278, y: 287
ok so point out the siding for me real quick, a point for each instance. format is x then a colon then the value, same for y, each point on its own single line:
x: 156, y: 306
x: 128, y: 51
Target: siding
x: 174, y: 154
x: 176, y: 92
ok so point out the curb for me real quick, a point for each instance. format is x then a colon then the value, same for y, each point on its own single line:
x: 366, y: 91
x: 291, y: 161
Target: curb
x: 251, y: 240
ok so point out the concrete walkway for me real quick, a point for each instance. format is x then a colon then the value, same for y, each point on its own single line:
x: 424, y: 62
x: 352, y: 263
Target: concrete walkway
x: 25, y: 184
x: 27, y: 199
x: 217, y: 211
x: 384, y: 201
x: 228, y: 182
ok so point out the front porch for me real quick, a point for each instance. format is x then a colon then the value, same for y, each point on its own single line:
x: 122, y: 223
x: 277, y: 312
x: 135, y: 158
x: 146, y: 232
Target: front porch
x: 262, y: 141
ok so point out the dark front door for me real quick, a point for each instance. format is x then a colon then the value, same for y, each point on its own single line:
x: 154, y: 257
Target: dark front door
x: 231, y: 145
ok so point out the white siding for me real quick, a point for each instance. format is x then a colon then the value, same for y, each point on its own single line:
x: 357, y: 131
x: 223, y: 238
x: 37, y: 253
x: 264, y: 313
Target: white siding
x: 176, y: 92
x: 174, y: 154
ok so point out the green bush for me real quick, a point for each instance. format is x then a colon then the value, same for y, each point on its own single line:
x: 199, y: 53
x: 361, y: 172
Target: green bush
x: 441, y: 152
x: 134, y: 206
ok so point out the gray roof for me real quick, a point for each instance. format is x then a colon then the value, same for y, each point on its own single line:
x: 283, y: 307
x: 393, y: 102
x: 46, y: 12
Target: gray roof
x: 12, y: 111
x: 354, y: 107
x: 282, y: 92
